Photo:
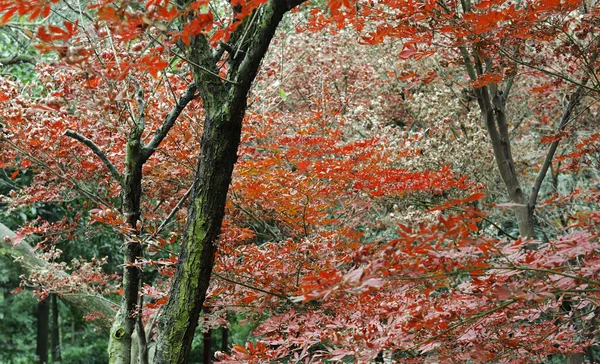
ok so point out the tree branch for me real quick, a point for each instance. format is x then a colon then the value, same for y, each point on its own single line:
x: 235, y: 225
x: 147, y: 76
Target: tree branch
x: 573, y: 102
x: 97, y: 151
x: 252, y: 287
x: 163, y: 130
x: 16, y: 59
x: 24, y: 255
x: 174, y: 211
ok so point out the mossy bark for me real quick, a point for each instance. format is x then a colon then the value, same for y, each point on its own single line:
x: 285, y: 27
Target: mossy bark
x: 225, y: 104
x: 121, y: 332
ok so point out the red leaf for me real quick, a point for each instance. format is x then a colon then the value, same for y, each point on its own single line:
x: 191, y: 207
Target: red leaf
x: 472, y: 227
x: 502, y: 292
x: 486, y: 79
x: 407, y: 52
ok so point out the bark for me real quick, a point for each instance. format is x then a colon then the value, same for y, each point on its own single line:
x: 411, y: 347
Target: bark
x: 224, y: 339
x: 55, y: 334
x: 122, y: 330
x: 43, y: 324
x: 24, y: 255
x: 207, y: 347
x: 119, y: 348
x: 225, y: 104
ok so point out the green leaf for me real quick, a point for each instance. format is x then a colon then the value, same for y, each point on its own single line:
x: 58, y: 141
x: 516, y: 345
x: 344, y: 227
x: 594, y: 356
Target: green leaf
x: 282, y: 94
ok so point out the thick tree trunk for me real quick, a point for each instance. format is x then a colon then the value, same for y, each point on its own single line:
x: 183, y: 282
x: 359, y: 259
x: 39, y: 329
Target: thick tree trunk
x: 225, y: 105
x: 55, y: 335
x: 205, y: 215
x: 43, y: 324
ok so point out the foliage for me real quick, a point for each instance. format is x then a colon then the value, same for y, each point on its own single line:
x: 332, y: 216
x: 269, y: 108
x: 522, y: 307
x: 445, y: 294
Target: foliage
x: 366, y: 216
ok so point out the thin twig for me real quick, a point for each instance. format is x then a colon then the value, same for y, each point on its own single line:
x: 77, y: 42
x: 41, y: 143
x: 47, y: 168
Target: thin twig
x: 174, y: 211
x: 252, y: 287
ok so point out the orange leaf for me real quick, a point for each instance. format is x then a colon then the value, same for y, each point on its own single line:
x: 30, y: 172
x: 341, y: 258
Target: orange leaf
x: 240, y: 349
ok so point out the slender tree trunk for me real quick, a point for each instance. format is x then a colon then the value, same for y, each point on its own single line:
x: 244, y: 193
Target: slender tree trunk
x: 119, y: 347
x: 225, y: 339
x: 43, y: 324
x: 137, y: 153
x: 55, y: 335
x: 492, y: 105
x: 207, y: 349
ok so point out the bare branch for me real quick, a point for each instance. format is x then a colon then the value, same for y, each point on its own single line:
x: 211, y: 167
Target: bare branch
x: 174, y: 211
x: 97, y: 151
x: 16, y: 59
x: 163, y: 130
x: 226, y: 279
x: 573, y: 102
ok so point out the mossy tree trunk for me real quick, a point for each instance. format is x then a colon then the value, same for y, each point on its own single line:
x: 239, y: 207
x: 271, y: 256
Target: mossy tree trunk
x: 122, y: 330
x: 225, y: 103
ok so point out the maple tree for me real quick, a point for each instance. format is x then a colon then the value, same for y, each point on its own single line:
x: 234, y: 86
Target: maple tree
x: 138, y: 91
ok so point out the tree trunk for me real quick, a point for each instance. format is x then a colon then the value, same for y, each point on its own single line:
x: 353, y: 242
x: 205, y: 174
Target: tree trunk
x: 225, y: 105
x: 121, y: 332
x: 55, y: 335
x: 180, y: 316
x: 225, y: 339
x: 207, y: 349
x: 43, y: 324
